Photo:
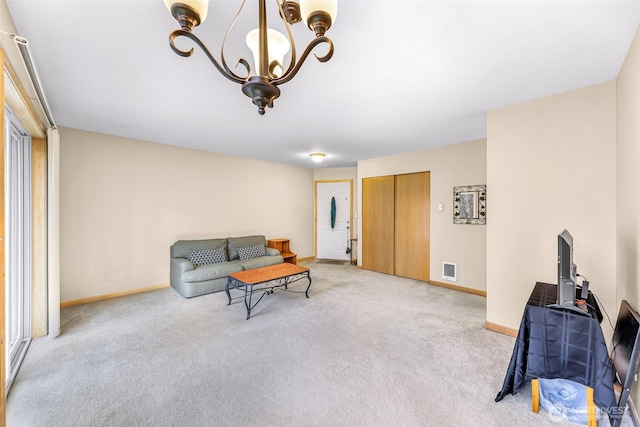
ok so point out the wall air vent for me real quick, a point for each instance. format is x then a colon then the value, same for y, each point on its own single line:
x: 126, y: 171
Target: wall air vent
x: 450, y: 271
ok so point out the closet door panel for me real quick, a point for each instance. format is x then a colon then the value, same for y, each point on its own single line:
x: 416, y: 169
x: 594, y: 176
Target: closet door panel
x: 377, y: 224
x: 412, y: 205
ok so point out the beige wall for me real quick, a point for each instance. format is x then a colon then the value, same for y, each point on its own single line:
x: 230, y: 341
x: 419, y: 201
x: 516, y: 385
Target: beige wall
x: 328, y: 174
x: 450, y: 166
x: 125, y: 201
x: 628, y: 181
x: 551, y: 165
x: 628, y: 177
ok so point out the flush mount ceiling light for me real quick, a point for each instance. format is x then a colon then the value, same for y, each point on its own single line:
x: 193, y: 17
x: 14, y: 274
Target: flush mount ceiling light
x: 317, y: 157
x: 269, y: 47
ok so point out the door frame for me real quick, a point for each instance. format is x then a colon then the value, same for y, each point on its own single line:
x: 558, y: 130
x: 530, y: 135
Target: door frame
x: 315, y: 209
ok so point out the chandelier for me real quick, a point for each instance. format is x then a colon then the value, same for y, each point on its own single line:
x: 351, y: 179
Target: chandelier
x: 269, y: 46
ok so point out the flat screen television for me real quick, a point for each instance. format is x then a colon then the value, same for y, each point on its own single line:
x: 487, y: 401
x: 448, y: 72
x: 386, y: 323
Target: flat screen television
x: 567, y: 271
x: 625, y: 356
x: 625, y: 352
x: 567, y: 276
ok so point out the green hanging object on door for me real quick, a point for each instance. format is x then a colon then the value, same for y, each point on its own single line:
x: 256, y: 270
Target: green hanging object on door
x: 333, y: 212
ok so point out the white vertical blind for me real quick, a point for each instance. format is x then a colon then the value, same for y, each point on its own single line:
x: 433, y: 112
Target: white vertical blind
x: 53, y: 230
x: 17, y: 243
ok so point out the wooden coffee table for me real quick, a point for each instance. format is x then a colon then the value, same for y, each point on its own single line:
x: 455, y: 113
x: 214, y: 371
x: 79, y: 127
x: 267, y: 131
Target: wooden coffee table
x: 266, y: 280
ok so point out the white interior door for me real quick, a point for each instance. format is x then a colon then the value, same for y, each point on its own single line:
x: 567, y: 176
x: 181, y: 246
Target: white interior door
x: 332, y: 242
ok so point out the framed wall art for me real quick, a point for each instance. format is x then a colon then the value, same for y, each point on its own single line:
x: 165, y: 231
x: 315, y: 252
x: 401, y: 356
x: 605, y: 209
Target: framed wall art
x: 470, y: 204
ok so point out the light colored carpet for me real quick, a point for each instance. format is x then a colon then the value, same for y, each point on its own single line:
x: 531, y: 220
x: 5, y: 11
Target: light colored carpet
x: 366, y: 349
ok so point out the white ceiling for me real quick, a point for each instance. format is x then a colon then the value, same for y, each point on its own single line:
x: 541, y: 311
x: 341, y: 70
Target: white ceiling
x: 405, y: 75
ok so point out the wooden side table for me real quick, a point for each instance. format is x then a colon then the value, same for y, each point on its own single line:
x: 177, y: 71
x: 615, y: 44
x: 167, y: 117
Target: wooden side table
x: 283, y: 246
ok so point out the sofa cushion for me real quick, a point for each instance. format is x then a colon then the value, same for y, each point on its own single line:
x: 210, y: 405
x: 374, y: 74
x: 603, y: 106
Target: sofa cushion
x: 207, y: 256
x: 250, y: 252
x: 181, y: 248
x: 211, y: 271
x: 271, y: 251
x: 242, y: 242
x: 262, y: 261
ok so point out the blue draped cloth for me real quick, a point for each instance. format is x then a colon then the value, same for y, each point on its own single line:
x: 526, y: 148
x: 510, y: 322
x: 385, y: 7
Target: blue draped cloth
x: 555, y: 343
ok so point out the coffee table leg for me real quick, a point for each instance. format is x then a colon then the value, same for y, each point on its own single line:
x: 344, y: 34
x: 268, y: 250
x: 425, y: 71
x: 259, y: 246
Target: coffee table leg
x: 248, y: 292
x: 226, y: 289
x: 307, y: 291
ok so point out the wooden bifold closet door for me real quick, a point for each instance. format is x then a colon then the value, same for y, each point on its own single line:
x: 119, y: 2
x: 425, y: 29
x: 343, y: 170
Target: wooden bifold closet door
x: 378, y: 210
x: 412, y: 225
x: 395, y: 224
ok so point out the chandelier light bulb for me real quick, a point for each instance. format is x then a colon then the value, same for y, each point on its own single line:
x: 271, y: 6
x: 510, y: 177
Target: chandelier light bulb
x: 315, y: 13
x: 190, y: 13
x: 278, y: 46
x: 307, y: 7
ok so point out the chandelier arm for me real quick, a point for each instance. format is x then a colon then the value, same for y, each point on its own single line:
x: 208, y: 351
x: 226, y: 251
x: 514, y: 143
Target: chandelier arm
x: 196, y: 40
x: 178, y: 51
x: 291, y: 73
x: 292, y: 60
x: 241, y: 61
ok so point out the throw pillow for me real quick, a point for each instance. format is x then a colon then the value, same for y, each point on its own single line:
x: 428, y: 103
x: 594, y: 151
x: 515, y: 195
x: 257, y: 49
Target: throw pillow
x: 207, y: 256
x: 250, y: 252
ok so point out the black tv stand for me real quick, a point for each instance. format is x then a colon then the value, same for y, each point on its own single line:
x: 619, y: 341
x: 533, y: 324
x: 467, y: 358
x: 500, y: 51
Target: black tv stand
x: 570, y: 308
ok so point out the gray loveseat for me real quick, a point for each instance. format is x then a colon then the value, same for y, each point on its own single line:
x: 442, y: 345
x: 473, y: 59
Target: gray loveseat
x: 200, y: 267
